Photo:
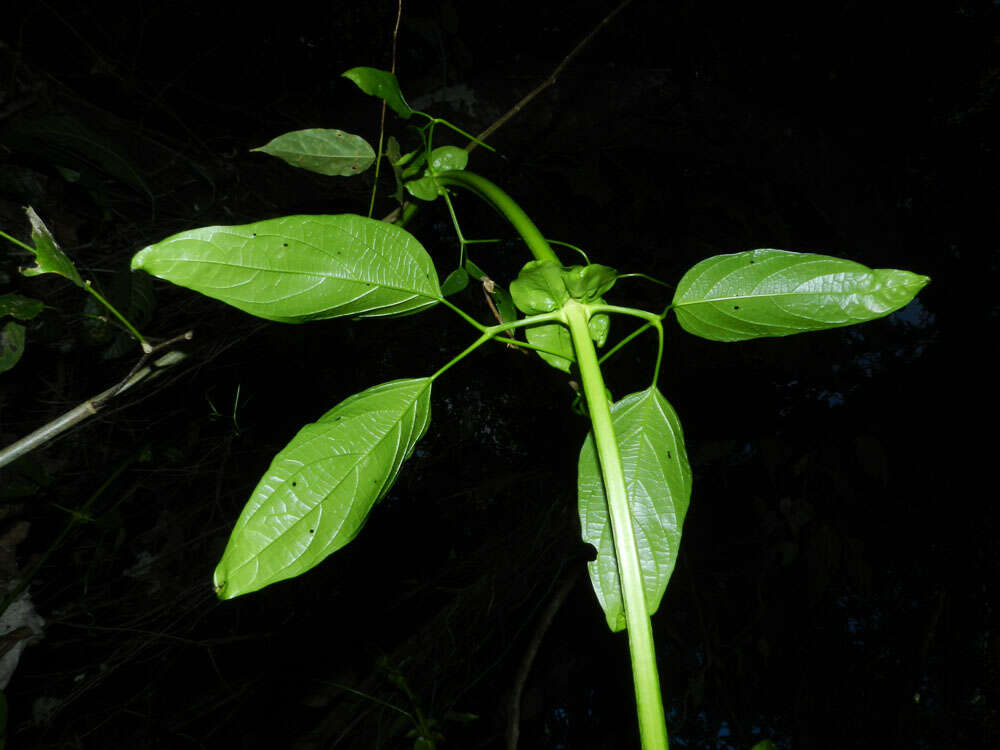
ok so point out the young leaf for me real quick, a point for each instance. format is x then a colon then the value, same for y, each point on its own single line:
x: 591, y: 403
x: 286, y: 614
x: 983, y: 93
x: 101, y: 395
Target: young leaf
x: 329, y: 152
x: 555, y: 338
x: 457, y: 281
x: 319, y: 489
x: 539, y: 287
x: 777, y: 293
x: 658, y: 483
x: 587, y: 283
x: 300, y: 268
x: 447, y: 158
x: 48, y: 257
x: 383, y: 84
x: 443, y: 159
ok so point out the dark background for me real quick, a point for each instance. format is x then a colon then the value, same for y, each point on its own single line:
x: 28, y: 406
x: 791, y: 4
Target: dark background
x: 837, y: 582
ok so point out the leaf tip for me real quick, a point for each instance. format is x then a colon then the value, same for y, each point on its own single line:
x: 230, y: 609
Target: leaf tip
x: 139, y: 259
x: 221, y: 587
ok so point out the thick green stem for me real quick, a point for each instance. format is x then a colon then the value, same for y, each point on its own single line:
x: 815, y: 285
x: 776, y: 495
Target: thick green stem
x: 503, y: 203
x: 652, y: 726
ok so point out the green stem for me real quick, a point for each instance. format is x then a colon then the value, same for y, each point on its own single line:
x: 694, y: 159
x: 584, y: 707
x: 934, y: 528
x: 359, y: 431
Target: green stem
x: 652, y: 725
x: 503, y: 203
x: 652, y: 319
x: 146, y: 346
x: 492, y: 332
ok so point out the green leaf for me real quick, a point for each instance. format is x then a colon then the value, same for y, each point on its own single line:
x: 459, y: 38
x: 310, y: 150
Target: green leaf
x: 505, y: 304
x: 329, y: 152
x: 443, y: 159
x: 318, y: 491
x: 477, y: 273
x: 19, y: 306
x: 447, y: 158
x: 658, y: 485
x: 599, y: 325
x: 457, y: 281
x: 539, y: 287
x: 384, y: 85
x: 300, y: 268
x: 11, y: 344
x: 412, y: 163
x: 501, y: 297
x: 48, y: 257
x: 554, y: 337
x: 423, y: 188
x: 543, y: 285
x: 587, y: 283
x: 777, y: 293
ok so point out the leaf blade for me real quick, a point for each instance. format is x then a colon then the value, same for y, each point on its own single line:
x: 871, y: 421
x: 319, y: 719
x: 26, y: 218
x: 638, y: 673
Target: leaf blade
x: 658, y: 487
x: 11, y: 344
x: 299, y: 268
x: 318, y: 491
x: 383, y: 84
x: 19, y: 306
x: 767, y: 292
x: 322, y: 150
x: 49, y: 257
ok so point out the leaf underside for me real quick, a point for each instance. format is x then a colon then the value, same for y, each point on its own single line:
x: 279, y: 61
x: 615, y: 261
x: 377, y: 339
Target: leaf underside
x: 299, y: 268
x: 777, y: 293
x: 658, y: 487
x: 382, y: 84
x: 318, y: 491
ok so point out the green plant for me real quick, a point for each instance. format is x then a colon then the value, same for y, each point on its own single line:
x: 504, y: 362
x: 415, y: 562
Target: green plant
x: 50, y: 259
x: 634, y: 481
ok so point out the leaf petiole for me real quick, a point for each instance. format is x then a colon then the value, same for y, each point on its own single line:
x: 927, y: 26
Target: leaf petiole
x: 491, y: 332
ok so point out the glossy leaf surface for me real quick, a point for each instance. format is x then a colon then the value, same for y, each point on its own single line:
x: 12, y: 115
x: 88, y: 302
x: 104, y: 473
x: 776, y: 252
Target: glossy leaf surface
x: 658, y: 485
x: 589, y: 283
x: 443, y: 159
x: 300, y: 268
x: 543, y: 285
x: 383, y: 84
x: 49, y: 258
x: 318, y: 491
x: 777, y: 293
x: 321, y: 150
x: 539, y: 287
